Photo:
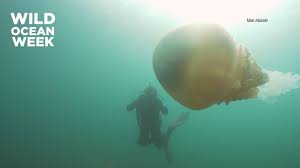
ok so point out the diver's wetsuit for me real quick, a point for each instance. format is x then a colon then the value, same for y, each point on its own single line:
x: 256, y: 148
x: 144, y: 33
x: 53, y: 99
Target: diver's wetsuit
x: 148, y: 109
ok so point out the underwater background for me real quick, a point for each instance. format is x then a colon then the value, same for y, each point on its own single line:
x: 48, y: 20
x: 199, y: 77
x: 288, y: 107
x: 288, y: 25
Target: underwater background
x: 65, y: 107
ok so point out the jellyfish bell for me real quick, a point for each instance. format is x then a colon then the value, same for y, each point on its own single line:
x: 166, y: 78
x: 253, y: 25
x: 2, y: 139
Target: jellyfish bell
x: 200, y: 65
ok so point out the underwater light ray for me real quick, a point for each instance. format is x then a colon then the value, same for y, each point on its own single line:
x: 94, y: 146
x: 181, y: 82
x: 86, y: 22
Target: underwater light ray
x: 221, y: 12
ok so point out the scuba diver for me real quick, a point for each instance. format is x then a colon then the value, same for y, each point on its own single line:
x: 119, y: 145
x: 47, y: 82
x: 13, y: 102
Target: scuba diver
x: 148, y: 108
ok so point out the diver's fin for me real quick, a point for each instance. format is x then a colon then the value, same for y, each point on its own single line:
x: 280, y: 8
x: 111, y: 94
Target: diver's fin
x: 165, y: 147
x: 166, y: 136
x: 168, y: 155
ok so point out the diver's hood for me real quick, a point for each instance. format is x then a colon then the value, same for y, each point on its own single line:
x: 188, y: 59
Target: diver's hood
x: 150, y: 91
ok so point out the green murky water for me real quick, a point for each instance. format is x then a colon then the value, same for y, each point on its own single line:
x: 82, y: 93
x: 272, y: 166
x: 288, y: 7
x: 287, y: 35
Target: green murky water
x: 65, y: 106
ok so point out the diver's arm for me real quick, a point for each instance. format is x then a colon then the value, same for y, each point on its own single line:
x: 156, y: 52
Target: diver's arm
x: 132, y: 105
x: 163, y: 108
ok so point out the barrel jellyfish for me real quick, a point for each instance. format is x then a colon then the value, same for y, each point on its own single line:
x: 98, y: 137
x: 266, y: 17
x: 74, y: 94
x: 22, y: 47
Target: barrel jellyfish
x: 200, y: 65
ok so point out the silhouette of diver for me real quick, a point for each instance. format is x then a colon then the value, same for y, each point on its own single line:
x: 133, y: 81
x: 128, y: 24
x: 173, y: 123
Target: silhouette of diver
x: 148, y: 108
